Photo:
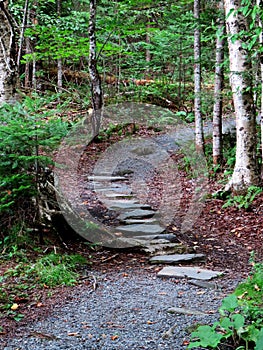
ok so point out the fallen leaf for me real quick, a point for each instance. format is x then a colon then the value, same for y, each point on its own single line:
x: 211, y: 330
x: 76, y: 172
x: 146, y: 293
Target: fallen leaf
x: 114, y: 337
x: 125, y: 274
x: 256, y: 287
x: 73, y: 334
x: 150, y: 322
x: 186, y: 342
x: 39, y: 304
x: 162, y: 293
x: 201, y: 292
x: 14, y: 307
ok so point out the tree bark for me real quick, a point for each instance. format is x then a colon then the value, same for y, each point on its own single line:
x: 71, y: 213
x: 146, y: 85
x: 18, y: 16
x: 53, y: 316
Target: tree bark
x: 246, y: 169
x: 219, y: 82
x: 8, y: 71
x: 96, y: 90
x: 260, y: 6
x: 199, y: 133
x: 59, y: 61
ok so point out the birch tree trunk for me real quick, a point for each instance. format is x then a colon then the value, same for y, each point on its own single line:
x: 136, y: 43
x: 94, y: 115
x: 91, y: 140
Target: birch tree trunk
x: 96, y: 90
x: 199, y: 134
x: 8, y: 72
x: 260, y: 6
x: 219, y: 81
x: 246, y: 168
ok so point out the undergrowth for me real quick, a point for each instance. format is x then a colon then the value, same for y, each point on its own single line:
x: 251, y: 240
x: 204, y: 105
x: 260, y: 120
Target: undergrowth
x: 241, y: 323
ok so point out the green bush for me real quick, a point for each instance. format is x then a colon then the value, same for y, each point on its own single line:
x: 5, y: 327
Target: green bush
x: 29, y: 131
x: 241, y: 324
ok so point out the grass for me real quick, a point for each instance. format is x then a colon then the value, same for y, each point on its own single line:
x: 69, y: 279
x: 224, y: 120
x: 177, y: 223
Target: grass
x: 25, y: 272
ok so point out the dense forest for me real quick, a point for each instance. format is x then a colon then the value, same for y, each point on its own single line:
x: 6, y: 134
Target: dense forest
x: 63, y: 63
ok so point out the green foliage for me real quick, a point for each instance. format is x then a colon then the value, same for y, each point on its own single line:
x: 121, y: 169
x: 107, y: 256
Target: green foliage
x: 241, y: 322
x: 50, y: 270
x: 55, y: 270
x: 243, y: 201
x: 29, y: 131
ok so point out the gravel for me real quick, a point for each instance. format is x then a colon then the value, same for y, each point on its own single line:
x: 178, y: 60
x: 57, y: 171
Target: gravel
x: 126, y: 311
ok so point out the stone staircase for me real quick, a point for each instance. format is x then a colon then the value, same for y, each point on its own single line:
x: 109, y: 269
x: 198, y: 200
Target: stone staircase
x: 139, y: 225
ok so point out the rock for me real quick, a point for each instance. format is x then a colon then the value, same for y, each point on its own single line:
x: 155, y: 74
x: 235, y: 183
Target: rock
x: 189, y: 272
x: 106, y: 178
x: 175, y: 258
x: 118, y: 195
x: 114, y: 188
x: 141, y: 229
x: 204, y: 284
x: 136, y: 214
x: 169, y: 237
x: 184, y: 311
x: 161, y: 247
x: 126, y: 205
x: 139, y: 221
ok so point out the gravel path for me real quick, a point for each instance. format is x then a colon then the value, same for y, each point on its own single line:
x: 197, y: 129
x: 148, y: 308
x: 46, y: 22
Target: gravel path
x: 127, y: 311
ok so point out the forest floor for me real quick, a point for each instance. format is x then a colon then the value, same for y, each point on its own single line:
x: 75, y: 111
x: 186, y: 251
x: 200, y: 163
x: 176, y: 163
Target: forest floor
x: 226, y: 236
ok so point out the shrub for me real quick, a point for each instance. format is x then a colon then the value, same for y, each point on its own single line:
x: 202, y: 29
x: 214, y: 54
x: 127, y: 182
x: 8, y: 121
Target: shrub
x: 29, y: 131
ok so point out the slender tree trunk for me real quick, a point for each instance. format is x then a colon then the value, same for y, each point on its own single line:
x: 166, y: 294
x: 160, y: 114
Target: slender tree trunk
x: 219, y: 82
x: 96, y: 90
x: 27, y: 65
x: 246, y: 168
x: 199, y: 134
x: 22, y: 32
x: 260, y: 5
x: 147, y: 41
x: 59, y: 61
x: 8, y: 71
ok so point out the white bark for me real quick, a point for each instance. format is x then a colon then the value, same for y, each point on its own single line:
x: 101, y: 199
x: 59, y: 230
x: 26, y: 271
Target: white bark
x: 246, y: 170
x: 260, y: 6
x: 199, y: 134
x: 8, y: 75
x: 219, y: 81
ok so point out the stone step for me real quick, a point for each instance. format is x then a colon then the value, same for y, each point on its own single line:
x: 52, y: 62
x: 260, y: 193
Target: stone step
x: 161, y: 247
x: 188, y: 272
x: 139, y: 221
x: 136, y: 214
x: 140, y: 229
x: 167, y: 237
x: 118, y: 195
x: 176, y: 258
x: 126, y: 205
x: 97, y: 178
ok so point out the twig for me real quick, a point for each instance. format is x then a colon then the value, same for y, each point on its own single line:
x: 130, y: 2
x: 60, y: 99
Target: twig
x: 109, y: 258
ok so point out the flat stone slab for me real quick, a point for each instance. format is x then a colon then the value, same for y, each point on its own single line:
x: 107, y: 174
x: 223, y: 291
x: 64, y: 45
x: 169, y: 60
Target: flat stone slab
x: 106, y: 178
x: 118, y: 195
x: 126, y: 205
x: 136, y: 214
x: 141, y: 229
x: 189, y: 272
x: 184, y: 311
x: 162, y: 247
x: 140, y: 221
x: 175, y: 258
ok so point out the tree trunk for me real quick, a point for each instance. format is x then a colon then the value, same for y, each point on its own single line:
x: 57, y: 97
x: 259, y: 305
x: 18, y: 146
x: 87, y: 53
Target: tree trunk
x: 199, y: 134
x: 8, y: 72
x: 96, y: 90
x: 260, y: 6
x: 59, y: 61
x: 246, y: 168
x: 219, y: 82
